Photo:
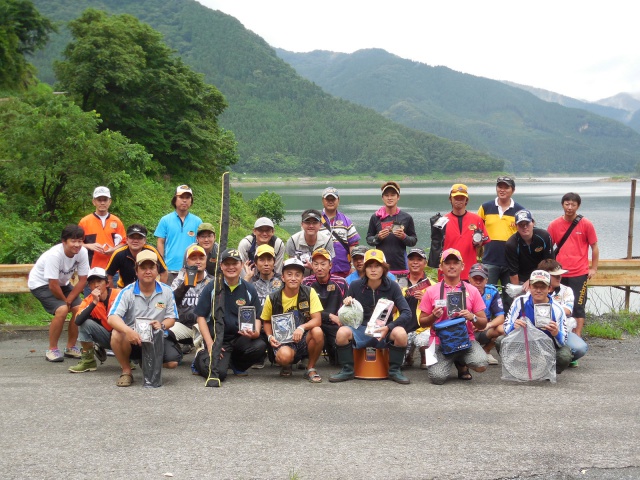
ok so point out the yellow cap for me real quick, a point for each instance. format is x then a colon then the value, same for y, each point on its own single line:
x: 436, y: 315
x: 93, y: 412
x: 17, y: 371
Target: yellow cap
x: 195, y: 249
x: 376, y: 255
x: 459, y: 189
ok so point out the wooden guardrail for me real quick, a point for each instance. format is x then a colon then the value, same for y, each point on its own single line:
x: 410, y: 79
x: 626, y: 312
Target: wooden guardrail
x: 611, y: 273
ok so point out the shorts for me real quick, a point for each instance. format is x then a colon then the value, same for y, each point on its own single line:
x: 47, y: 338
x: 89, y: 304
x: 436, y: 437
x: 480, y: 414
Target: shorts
x: 300, y: 349
x: 360, y: 340
x: 579, y: 287
x: 49, y: 302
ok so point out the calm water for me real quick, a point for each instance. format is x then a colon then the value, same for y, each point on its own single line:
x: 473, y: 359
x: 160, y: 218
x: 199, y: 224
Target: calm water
x: 606, y: 204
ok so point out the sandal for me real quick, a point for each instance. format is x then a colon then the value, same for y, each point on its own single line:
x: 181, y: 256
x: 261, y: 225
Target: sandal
x: 125, y: 380
x: 464, y: 374
x: 312, y: 375
x: 286, y: 371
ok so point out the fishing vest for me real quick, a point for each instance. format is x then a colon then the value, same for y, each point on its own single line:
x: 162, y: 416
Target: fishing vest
x: 304, y: 302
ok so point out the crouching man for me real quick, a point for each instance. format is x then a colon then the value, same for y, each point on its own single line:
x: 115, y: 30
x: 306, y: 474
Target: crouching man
x: 146, y: 298
x: 305, y: 304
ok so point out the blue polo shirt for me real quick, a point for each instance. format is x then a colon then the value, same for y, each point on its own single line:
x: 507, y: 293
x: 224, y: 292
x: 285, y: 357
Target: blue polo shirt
x: 178, y: 235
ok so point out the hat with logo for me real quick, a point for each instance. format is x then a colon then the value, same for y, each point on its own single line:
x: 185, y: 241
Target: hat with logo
x: 448, y: 252
x: 506, y: 179
x: 393, y: 185
x: 375, y: 255
x: 417, y: 251
x: 311, y: 214
x: 330, y: 192
x: 293, y: 263
x: 230, y: 253
x: 458, y: 189
x: 478, y: 270
x: 321, y: 252
x: 137, y: 229
x: 263, y: 222
x: 195, y: 249
x: 101, y: 192
x: 265, y: 249
x: 205, y: 227
x: 146, y: 255
x: 538, y: 276
x: 97, y: 272
x: 524, y: 216
x: 558, y: 271
x: 183, y: 189
x: 359, y: 251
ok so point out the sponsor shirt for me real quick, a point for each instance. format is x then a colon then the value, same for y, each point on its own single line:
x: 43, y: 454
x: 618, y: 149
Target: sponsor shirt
x: 55, y: 265
x: 131, y: 304
x: 109, y: 231
x: 178, y: 234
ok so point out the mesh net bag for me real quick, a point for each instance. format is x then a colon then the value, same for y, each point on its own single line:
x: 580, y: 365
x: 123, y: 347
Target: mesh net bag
x: 351, y: 315
x: 528, y: 354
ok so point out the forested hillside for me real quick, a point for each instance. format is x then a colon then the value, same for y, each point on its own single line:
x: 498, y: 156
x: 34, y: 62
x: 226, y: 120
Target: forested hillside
x: 282, y: 122
x: 508, y: 122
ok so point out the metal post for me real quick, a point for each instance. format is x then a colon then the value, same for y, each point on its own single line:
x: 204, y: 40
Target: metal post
x: 632, y: 206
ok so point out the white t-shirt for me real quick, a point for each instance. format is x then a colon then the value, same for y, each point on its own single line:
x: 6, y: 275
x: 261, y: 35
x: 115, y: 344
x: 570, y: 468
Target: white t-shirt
x: 54, y: 264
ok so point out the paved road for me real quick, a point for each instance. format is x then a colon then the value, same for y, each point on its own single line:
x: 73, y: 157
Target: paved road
x: 54, y: 424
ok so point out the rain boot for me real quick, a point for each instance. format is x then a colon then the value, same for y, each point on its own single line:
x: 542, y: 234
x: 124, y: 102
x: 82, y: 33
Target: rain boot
x: 396, y: 357
x: 87, y: 362
x: 345, y: 358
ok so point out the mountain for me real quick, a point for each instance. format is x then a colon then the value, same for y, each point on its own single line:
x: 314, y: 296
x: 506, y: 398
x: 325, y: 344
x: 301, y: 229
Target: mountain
x: 283, y: 122
x: 622, y: 101
x: 531, y: 134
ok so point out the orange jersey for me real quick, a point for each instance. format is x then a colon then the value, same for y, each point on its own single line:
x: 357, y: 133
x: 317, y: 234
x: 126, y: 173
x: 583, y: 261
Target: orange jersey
x: 94, y: 232
x: 100, y: 312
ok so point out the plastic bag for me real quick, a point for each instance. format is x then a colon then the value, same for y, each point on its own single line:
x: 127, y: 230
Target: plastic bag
x: 351, y: 315
x: 528, y: 354
x: 152, y: 353
x: 514, y: 290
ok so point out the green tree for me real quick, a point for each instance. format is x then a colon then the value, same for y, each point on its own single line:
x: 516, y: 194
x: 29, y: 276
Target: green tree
x: 22, y: 31
x: 119, y: 67
x: 268, y: 204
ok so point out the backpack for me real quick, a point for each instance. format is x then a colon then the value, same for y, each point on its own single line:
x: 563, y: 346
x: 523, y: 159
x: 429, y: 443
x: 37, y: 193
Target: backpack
x: 438, y: 228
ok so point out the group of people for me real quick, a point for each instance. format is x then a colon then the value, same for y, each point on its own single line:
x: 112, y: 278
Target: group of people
x: 318, y: 270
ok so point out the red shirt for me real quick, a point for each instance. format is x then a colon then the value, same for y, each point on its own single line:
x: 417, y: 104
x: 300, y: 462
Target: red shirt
x: 462, y: 240
x: 574, y: 254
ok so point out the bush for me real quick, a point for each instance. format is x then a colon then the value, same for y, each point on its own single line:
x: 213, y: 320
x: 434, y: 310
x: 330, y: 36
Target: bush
x: 268, y: 204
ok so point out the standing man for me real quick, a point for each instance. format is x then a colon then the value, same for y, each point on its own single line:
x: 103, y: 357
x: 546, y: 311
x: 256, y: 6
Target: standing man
x: 499, y: 219
x: 49, y: 281
x: 103, y: 231
x: 177, y: 230
x: 304, y: 302
x: 573, y: 252
x: 302, y: 244
x: 434, y: 310
x: 206, y: 238
x: 331, y: 289
x: 144, y: 298
x: 392, y: 231
x: 526, y: 248
x: 226, y: 346
x: 262, y: 273
x: 123, y: 260
x: 263, y: 234
x: 464, y: 231
x: 342, y: 229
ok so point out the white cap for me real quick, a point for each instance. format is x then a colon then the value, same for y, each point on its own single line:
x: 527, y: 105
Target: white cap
x: 263, y: 222
x: 183, y: 189
x: 97, y: 272
x: 101, y: 192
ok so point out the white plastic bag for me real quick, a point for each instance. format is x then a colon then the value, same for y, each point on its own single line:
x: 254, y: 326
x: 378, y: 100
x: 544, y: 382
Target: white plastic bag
x: 351, y: 315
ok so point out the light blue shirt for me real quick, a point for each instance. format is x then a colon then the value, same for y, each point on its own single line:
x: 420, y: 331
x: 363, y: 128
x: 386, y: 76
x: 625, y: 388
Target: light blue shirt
x: 178, y: 235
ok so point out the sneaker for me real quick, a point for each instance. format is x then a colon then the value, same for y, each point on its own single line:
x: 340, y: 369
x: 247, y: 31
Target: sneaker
x: 574, y: 364
x: 73, y: 352
x: 110, y: 353
x: 423, y: 366
x: 54, y: 355
x: 239, y: 373
x: 259, y: 365
x: 101, y: 353
x: 491, y: 359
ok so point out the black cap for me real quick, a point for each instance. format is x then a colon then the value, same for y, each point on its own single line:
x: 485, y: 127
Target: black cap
x: 417, y: 251
x: 508, y: 180
x: 137, y: 229
x: 311, y: 213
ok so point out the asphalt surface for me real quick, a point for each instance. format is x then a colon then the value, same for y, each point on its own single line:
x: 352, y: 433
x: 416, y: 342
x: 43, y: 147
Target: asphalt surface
x: 55, y: 424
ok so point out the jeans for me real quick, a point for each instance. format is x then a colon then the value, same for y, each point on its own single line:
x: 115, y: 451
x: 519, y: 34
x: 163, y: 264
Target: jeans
x: 500, y: 273
x: 577, y: 345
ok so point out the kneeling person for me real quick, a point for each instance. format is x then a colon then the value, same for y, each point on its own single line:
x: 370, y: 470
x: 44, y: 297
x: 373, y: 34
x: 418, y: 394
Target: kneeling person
x: 305, y: 304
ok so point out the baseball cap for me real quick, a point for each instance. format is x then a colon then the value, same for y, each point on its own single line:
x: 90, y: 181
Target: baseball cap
x: 183, y: 189
x: 459, y: 189
x: 195, y: 249
x: 417, y: 251
x: 558, y: 271
x: 101, y: 192
x: 97, y: 272
x: 263, y: 222
x: 330, y: 192
x: 392, y: 185
x: 230, y: 253
x: 540, y: 276
x: 523, y: 216
x: 265, y: 249
x: 359, y: 250
x: 311, y: 213
x: 293, y: 263
x: 376, y: 255
x: 321, y: 252
x: 448, y: 252
x: 136, y: 229
x: 146, y: 255
x: 506, y: 179
x: 205, y: 227
x: 478, y: 270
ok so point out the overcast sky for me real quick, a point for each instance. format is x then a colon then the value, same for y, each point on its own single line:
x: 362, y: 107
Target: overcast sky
x: 583, y: 49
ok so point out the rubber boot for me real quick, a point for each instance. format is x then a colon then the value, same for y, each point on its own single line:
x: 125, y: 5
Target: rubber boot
x: 344, y: 356
x: 396, y: 357
x: 87, y: 362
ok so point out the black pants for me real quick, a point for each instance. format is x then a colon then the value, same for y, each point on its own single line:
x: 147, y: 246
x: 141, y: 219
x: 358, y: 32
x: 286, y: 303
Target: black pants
x: 242, y: 352
x: 330, y: 332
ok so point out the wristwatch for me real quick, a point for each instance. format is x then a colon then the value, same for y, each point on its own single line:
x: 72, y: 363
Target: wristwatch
x: 474, y: 319
x: 300, y: 327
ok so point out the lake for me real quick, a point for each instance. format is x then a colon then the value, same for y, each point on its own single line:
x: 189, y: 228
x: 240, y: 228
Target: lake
x: 605, y: 203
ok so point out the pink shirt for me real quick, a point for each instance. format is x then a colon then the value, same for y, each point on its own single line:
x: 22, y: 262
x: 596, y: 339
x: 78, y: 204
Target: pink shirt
x: 473, y: 301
